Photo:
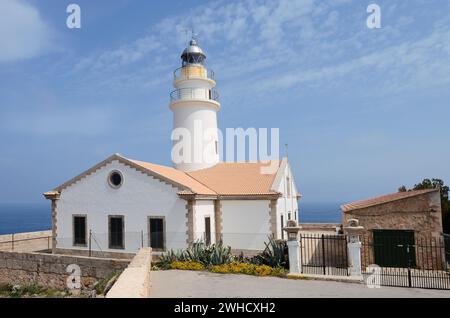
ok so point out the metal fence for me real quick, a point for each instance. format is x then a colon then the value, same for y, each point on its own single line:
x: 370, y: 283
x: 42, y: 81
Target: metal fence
x: 132, y: 241
x: 324, y: 254
x: 447, y: 247
x: 420, y: 262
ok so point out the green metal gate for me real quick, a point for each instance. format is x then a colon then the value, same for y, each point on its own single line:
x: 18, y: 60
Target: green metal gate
x: 394, y: 248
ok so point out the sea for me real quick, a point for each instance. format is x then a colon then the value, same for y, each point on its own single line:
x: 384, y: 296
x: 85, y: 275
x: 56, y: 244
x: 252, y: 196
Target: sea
x: 19, y: 218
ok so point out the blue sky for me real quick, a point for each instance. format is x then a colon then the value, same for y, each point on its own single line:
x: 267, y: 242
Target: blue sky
x: 363, y: 111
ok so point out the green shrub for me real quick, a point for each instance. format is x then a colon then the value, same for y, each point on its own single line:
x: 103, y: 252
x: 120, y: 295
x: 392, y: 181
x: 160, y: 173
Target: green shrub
x: 170, y: 257
x: 5, y: 288
x: 274, y: 255
x: 199, y: 252
x: 248, y: 269
x: 103, y: 285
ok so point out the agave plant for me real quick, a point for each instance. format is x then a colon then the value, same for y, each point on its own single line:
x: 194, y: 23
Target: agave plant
x: 219, y: 254
x: 274, y: 255
x: 207, y: 255
x: 172, y: 256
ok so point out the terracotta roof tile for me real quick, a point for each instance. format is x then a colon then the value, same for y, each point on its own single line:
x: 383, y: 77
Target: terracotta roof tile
x: 176, y: 176
x: 383, y: 199
x: 228, y: 178
x: 243, y: 178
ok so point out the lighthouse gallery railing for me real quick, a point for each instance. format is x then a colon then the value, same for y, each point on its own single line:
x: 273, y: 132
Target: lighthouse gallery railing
x: 194, y: 94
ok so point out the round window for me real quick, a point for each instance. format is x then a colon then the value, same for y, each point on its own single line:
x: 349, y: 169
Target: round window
x: 115, y: 179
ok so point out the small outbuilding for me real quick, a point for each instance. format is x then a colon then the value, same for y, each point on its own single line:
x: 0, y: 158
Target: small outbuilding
x: 418, y: 212
x: 402, y: 229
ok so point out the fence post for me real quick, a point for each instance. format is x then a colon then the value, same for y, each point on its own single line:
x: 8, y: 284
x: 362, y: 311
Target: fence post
x: 324, y: 265
x: 354, y: 253
x: 293, y: 243
x: 142, y: 238
x: 12, y: 242
x: 354, y: 231
x: 90, y: 240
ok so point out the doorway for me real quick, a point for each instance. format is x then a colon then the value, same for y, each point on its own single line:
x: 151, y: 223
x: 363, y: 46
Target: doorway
x: 207, y: 230
x: 394, y: 248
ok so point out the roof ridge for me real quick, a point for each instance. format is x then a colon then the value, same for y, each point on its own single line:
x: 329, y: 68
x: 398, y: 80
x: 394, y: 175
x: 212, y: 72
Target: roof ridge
x: 396, y: 196
x: 189, y: 175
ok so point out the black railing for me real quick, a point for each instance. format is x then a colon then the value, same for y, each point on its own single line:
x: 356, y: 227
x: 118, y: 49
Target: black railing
x: 324, y: 254
x: 447, y: 247
x: 406, y: 261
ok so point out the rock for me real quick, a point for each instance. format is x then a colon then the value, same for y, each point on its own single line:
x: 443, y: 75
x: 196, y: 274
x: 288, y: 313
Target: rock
x: 16, y: 288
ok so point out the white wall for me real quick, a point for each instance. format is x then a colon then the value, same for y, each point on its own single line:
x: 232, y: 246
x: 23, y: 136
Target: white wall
x: 139, y: 197
x: 200, y: 119
x: 203, y: 209
x: 287, y: 203
x: 245, y: 223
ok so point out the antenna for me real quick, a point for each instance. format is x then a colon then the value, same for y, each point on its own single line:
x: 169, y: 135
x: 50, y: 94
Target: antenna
x: 186, y: 32
x: 194, y: 34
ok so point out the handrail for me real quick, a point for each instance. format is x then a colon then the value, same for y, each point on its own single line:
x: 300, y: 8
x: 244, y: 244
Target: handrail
x: 193, y: 72
x: 194, y: 94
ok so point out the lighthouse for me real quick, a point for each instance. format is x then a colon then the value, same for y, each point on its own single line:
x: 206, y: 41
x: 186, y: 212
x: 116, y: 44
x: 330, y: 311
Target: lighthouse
x: 194, y: 104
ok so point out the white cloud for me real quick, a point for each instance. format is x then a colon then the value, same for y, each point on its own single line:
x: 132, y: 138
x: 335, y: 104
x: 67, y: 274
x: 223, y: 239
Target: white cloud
x: 23, y: 33
x: 295, y: 44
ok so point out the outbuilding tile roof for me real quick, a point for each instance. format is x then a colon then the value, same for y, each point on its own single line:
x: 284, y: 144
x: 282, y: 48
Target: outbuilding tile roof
x: 383, y: 199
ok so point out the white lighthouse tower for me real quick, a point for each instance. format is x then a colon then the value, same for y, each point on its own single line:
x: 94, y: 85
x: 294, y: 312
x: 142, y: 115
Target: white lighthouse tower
x: 195, y: 104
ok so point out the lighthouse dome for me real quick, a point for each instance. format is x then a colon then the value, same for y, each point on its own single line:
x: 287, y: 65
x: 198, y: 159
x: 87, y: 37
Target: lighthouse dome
x: 193, y: 54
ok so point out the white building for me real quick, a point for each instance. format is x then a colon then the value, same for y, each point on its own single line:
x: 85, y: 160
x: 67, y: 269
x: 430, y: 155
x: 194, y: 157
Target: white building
x: 122, y: 204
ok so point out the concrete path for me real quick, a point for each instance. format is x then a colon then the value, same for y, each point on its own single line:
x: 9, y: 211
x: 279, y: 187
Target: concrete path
x: 188, y: 284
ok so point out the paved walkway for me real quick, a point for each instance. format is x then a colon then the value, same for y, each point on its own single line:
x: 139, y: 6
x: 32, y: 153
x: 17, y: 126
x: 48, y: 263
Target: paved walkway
x: 188, y: 284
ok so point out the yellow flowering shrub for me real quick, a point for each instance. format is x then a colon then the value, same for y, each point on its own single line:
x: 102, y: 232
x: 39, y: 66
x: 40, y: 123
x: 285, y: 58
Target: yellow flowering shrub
x: 231, y: 268
x: 188, y: 265
x: 249, y: 269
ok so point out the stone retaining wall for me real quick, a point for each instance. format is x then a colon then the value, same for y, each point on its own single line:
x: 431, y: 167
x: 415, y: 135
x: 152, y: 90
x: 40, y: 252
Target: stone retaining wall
x: 49, y: 270
x: 134, y: 282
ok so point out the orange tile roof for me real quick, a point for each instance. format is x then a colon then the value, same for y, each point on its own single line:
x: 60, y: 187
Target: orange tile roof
x: 383, y: 199
x: 243, y: 178
x: 176, y: 176
x: 236, y: 178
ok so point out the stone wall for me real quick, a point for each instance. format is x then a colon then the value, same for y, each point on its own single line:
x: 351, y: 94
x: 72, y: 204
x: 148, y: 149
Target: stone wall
x: 134, y: 282
x: 49, y: 270
x: 421, y: 213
